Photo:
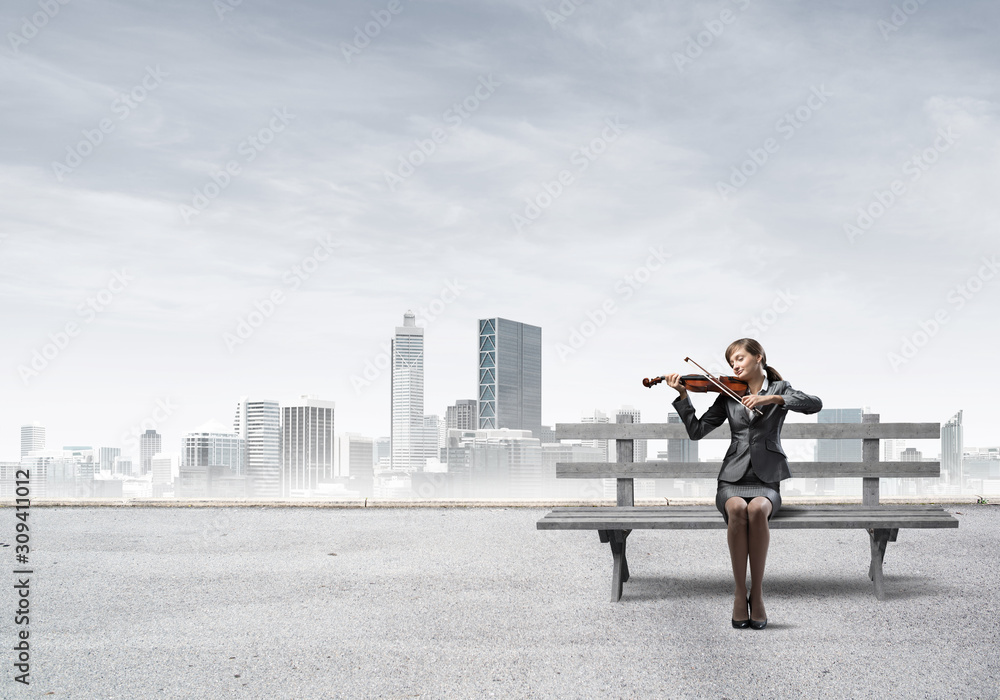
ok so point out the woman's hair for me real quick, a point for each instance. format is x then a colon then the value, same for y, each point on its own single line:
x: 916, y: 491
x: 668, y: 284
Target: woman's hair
x: 751, y: 346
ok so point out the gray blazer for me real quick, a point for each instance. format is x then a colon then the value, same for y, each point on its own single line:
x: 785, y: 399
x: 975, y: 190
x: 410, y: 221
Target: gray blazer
x: 756, y: 441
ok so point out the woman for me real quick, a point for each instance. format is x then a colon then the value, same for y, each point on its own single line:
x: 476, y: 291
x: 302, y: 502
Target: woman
x: 749, y: 482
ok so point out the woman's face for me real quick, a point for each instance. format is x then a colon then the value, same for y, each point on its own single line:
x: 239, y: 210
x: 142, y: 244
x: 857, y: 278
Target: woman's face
x: 744, y: 364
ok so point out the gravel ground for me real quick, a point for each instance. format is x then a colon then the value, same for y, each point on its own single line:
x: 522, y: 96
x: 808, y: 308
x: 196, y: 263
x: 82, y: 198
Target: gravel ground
x: 475, y: 602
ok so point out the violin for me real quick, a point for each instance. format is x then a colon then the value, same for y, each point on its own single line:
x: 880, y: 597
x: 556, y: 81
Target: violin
x: 734, y: 387
x: 700, y: 383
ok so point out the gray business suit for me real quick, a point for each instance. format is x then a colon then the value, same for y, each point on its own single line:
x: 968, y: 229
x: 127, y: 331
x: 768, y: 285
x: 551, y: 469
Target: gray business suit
x: 756, y: 441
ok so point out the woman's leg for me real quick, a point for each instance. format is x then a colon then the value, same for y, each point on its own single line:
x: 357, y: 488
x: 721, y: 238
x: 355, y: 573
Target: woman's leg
x: 736, y: 510
x: 758, y: 512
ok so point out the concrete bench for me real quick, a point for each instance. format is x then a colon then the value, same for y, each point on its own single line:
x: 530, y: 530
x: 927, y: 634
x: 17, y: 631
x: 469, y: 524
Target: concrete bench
x: 614, y: 523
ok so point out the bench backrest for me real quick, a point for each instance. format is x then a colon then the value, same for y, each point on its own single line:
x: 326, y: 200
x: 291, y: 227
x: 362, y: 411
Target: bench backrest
x: 870, y: 469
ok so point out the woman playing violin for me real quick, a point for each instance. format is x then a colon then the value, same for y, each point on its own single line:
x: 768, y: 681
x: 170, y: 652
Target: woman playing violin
x: 748, y: 492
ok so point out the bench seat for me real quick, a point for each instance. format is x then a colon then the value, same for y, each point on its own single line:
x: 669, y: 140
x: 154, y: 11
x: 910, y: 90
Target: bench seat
x: 709, y: 518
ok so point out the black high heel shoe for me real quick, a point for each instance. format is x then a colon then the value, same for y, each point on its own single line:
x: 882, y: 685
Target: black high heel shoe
x: 755, y: 624
x: 741, y: 624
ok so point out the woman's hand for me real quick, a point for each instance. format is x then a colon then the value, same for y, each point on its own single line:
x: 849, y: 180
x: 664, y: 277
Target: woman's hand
x: 753, y: 400
x: 674, y: 381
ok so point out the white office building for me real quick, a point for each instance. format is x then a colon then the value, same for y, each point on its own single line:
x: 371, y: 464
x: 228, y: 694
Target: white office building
x: 211, y: 446
x: 165, y: 467
x: 307, y: 445
x: 32, y: 438
x: 259, y: 424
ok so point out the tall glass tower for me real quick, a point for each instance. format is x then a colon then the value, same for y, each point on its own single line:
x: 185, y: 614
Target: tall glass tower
x: 407, y: 437
x: 510, y: 375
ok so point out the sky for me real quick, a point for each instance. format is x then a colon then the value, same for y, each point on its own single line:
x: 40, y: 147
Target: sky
x: 208, y: 200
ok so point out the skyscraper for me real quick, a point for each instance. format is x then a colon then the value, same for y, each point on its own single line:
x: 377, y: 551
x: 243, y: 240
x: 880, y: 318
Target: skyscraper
x: 510, y: 375
x: 952, y: 447
x: 149, y: 445
x: 461, y: 416
x: 407, y: 407
x: 259, y: 424
x: 307, y: 445
x: 32, y: 438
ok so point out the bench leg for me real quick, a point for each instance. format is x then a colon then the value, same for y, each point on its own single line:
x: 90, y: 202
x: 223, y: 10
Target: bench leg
x: 619, y: 574
x: 878, y: 537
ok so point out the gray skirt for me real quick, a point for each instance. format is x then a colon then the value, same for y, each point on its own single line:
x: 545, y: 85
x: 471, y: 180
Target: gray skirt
x: 748, y: 487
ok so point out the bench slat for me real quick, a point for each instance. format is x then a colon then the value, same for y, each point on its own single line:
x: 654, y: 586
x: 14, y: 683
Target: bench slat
x: 792, y: 431
x: 779, y: 516
x: 815, y: 521
x: 659, y: 469
x: 707, y: 517
x: 719, y: 524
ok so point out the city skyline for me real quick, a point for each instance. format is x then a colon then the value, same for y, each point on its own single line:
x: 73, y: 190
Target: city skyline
x: 136, y: 438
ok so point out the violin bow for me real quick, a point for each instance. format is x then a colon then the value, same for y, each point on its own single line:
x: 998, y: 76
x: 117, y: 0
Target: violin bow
x: 722, y: 387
